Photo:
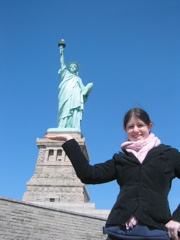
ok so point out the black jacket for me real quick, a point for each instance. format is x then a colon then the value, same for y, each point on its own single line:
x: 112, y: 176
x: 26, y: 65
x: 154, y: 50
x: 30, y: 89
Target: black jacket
x: 144, y: 187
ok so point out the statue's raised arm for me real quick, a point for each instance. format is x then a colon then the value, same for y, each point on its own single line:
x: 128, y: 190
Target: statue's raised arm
x: 61, y: 46
x: 72, y: 94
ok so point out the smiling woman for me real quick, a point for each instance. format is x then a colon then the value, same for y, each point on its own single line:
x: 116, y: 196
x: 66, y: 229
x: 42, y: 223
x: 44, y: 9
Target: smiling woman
x: 136, y: 129
x: 144, y: 170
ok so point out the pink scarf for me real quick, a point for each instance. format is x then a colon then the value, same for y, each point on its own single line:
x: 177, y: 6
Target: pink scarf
x: 140, y: 150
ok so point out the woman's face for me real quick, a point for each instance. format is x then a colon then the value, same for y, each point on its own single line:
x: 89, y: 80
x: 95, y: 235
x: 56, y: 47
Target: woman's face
x: 137, y: 130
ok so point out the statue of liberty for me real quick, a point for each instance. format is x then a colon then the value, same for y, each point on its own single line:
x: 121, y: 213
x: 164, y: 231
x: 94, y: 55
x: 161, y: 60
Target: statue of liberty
x: 72, y: 94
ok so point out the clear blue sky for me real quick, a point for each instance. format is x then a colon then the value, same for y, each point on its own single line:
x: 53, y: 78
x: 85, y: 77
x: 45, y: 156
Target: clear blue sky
x: 129, y: 49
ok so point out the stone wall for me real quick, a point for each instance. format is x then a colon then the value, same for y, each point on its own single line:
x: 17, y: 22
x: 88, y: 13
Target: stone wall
x: 21, y: 221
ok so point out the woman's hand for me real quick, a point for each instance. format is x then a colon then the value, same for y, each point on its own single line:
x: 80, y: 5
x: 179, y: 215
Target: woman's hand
x: 59, y: 137
x: 172, y: 228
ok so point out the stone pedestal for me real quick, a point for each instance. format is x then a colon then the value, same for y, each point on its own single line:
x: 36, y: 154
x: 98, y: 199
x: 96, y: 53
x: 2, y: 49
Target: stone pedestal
x: 55, y: 180
x: 55, y: 184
